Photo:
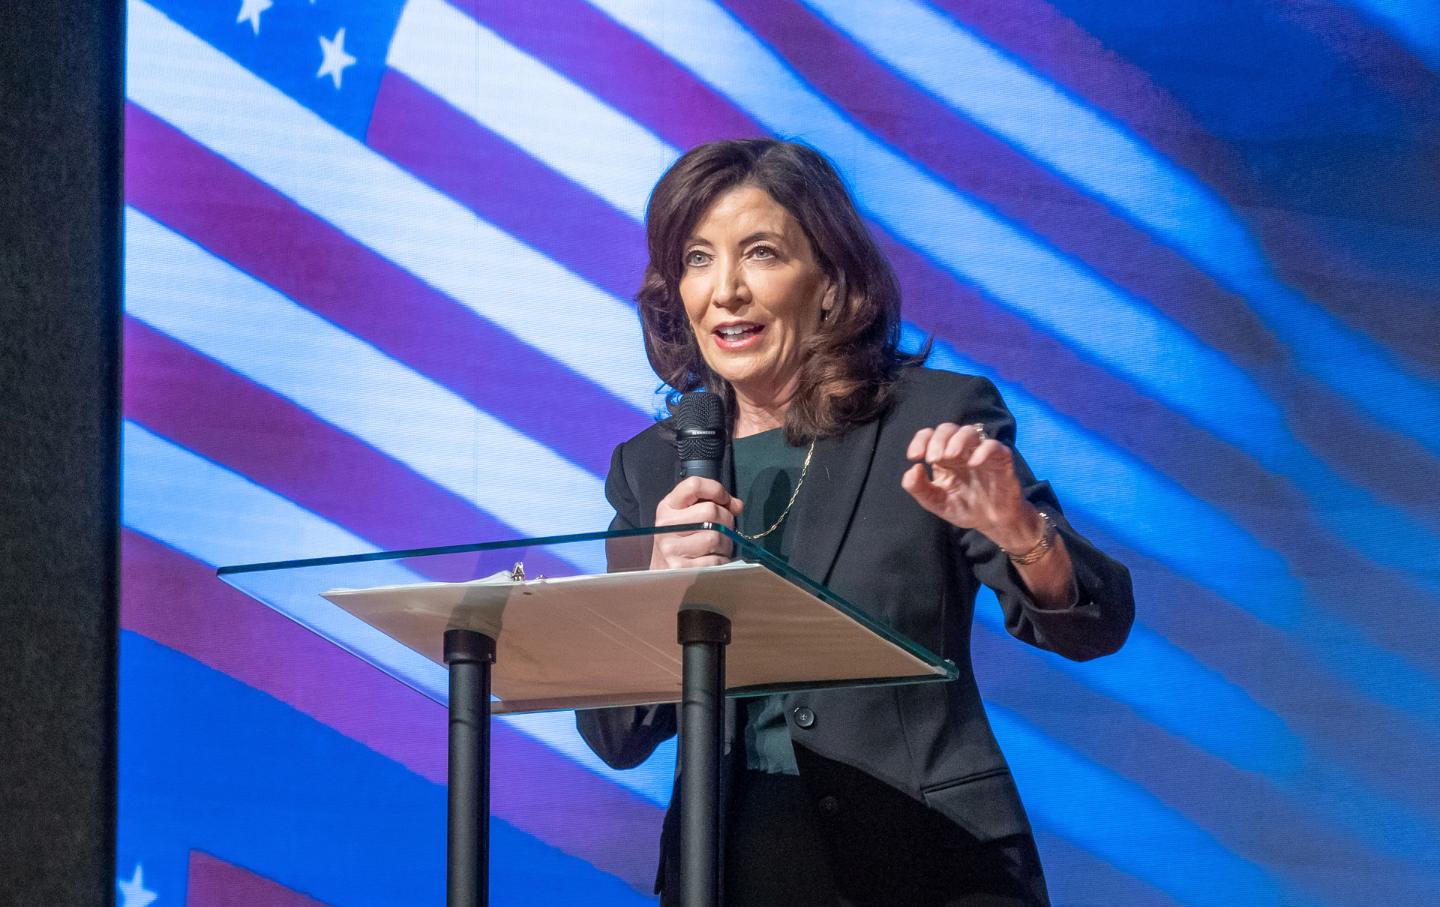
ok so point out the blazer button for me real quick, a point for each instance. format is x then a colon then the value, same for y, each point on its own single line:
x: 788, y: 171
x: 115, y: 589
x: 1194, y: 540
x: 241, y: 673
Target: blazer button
x: 829, y: 807
x: 804, y: 717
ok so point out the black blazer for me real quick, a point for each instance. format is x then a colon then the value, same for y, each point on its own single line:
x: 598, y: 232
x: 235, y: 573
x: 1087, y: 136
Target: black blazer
x: 856, y: 530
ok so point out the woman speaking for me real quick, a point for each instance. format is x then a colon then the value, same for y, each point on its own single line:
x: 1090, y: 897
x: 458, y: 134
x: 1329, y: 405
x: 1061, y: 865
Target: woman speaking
x: 896, y: 486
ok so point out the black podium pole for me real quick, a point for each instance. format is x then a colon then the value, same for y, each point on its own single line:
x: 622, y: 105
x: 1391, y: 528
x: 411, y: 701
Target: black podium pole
x: 703, y: 636
x: 469, y: 656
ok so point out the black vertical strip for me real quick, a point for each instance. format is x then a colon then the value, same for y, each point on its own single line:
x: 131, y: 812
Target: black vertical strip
x: 61, y: 94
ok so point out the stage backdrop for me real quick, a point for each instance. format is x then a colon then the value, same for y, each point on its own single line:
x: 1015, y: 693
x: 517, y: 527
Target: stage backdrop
x: 379, y: 261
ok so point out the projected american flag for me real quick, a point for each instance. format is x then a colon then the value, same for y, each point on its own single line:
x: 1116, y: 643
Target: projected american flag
x: 379, y: 259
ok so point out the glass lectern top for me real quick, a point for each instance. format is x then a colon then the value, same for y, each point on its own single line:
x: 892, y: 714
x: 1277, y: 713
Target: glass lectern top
x: 582, y: 621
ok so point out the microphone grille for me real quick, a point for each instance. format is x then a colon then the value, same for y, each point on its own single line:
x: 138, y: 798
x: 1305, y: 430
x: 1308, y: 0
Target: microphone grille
x: 700, y: 427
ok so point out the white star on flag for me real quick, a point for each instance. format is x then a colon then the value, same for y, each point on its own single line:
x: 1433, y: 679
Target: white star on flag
x: 336, y: 59
x: 250, y: 11
x: 134, y: 893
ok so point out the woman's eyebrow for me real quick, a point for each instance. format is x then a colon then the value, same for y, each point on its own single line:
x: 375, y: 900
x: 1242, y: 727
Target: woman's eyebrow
x: 758, y: 234
x: 761, y: 234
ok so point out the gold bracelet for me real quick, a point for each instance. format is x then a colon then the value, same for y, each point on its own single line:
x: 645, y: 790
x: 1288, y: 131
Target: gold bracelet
x: 1040, y: 548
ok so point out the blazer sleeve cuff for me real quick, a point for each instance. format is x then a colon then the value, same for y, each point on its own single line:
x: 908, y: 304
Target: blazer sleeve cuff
x: 1097, y: 620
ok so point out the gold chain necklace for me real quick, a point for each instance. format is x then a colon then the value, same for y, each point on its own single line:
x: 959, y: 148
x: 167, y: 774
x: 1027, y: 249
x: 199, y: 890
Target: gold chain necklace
x: 804, y: 468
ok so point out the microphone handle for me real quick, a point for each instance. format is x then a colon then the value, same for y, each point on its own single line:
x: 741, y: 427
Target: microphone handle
x: 705, y: 469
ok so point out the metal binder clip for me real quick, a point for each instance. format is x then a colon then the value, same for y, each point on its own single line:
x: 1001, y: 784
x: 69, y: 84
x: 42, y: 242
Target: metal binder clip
x: 517, y: 573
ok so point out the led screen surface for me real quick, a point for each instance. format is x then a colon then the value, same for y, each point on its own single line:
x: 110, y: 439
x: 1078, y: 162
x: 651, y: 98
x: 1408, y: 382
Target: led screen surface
x: 379, y: 261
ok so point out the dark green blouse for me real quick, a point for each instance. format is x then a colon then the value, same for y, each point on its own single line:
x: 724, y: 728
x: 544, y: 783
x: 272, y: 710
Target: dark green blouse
x: 766, y: 472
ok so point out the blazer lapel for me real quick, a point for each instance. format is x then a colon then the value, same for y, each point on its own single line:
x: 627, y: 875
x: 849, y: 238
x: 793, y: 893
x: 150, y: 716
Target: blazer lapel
x: 827, y: 500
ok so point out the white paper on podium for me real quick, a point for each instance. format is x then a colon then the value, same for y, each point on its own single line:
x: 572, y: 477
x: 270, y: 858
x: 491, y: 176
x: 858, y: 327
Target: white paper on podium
x: 609, y: 639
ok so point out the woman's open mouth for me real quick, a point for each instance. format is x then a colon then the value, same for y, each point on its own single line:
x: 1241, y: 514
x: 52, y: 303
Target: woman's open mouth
x: 738, y: 336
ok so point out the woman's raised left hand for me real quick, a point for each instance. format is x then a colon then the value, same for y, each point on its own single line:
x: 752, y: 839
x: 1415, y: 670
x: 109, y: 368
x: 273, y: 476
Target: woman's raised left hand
x: 969, y: 481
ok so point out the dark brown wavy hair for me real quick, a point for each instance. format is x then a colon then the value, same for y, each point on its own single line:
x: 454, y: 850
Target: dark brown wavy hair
x: 849, y: 365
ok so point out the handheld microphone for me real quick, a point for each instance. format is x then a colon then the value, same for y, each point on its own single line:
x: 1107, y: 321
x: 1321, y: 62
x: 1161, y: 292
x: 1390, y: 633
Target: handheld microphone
x: 700, y: 435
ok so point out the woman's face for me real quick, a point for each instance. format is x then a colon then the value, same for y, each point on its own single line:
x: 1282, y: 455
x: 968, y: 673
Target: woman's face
x: 753, y: 292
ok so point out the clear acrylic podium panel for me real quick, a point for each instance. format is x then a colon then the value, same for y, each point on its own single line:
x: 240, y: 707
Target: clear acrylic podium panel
x: 581, y: 622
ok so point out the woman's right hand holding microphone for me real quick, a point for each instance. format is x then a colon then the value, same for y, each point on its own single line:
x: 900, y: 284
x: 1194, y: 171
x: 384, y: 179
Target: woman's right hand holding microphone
x: 694, y: 500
